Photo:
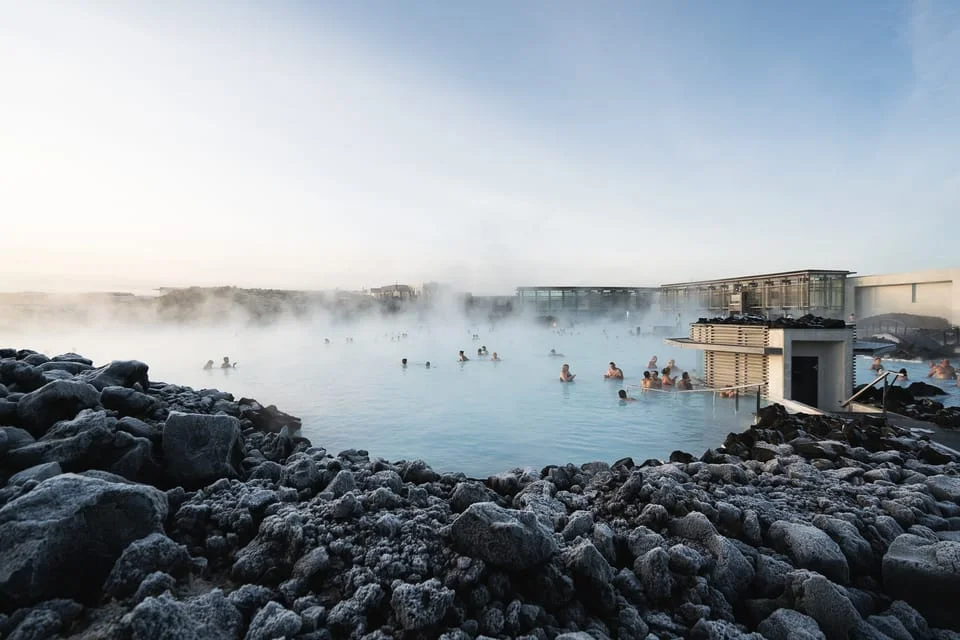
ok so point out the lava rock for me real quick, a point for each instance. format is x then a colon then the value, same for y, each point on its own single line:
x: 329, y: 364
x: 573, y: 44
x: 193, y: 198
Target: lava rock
x: 119, y: 373
x: 787, y: 624
x: 420, y: 606
x: 207, y: 617
x: 502, y: 537
x: 810, y: 548
x: 128, y: 402
x: 200, y: 449
x: 273, y: 621
x: 156, y: 552
x: 55, y: 401
x: 62, y: 538
x: 927, y: 575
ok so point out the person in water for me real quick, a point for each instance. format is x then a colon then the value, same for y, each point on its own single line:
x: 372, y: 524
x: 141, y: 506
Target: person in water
x: 652, y: 365
x: 479, y: 353
x: 684, y: 383
x: 495, y: 357
x: 553, y: 353
x: 463, y: 357
x: 877, y: 365
x: 403, y: 363
x: 647, y: 381
x: 226, y: 363
x: 667, y: 380
x: 565, y: 375
x: 614, y: 372
x: 483, y: 349
x: 209, y: 365
x: 655, y: 381
x: 428, y: 364
x: 671, y: 364
x: 901, y: 375
x: 624, y: 397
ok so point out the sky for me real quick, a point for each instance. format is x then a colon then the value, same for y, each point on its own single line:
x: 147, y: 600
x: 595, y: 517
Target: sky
x: 358, y: 143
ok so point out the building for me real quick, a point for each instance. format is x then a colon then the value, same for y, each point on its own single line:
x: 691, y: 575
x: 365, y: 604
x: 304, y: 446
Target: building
x: 562, y: 301
x: 395, y: 292
x: 788, y: 362
x: 771, y: 295
x: 934, y: 294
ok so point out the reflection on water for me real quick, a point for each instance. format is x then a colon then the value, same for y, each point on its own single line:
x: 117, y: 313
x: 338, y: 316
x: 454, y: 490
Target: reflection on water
x: 479, y: 417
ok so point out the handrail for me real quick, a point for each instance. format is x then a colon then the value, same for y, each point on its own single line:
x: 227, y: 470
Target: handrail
x: 882, y: 376
x: 702, y: 390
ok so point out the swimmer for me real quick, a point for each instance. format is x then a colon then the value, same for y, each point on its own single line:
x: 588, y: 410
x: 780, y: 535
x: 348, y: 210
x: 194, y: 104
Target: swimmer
x: 462, y: 357
x: 877, y: 365
x: 565, y: 375
x: 326, y: 341
x: 653, y: 363
x: 479, y: 353
x: 667, y: 380
x: 671, y: 364
x: 484, y: 349
x: 226, y: 363
x: 901, y: 375
x: 553, y: 353
x: 403, y: 363
x: 613, y: 372
x: 684, y: 383
x: 208, y: 366
x: 428, y: 364
x: 624, y: 397
x: 495, y: 357
x: 647, y: 380
x: 655, y: 380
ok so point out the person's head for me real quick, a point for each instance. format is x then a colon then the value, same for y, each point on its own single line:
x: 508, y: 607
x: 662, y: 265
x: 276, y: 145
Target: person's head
x: 622, y: 393
x: 655, y: 375
x: 565, y: 367
x: 404, y: 362
x: 226, y: 359
x: 646, y: 374
x: 653, y: 359
x: 685, y: 376
x: 903, y: 372
x: 666, y: 371
x: 553, y: 351
x: 428, y: 364
x: 479, y: 351
x: 461, y: 352
x: 484, y: 347
x: 613, y: 365
x: 494, y: 354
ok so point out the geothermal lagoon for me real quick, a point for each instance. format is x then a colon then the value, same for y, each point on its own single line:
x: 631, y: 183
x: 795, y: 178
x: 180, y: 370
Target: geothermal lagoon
x: 478, y: 417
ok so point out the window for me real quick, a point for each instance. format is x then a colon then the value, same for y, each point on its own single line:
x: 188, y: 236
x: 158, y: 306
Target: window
x: 913, y: 293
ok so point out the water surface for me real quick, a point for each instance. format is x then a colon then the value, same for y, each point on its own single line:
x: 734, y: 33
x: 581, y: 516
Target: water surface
x: 479, y: 417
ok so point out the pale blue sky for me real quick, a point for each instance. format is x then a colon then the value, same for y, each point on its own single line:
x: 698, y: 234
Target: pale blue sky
x: 488, y: 144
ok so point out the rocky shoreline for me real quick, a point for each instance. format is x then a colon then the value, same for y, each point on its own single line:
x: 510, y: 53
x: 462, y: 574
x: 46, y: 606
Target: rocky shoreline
x: 136, y: 509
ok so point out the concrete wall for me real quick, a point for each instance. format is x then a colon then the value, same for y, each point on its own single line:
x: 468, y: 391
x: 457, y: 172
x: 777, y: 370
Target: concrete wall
x: 925, y: 293
x: 833, y: 347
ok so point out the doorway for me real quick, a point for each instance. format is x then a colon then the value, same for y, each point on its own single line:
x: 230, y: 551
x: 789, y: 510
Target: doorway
x: 804, y: 386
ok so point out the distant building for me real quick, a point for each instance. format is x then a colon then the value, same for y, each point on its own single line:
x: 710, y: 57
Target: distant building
x: 934, y: 294
x: 599, y: 300
x: 396, y: 292
x: 771, y: 295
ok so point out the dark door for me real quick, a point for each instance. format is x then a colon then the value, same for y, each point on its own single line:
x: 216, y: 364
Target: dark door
x: 804, y: 385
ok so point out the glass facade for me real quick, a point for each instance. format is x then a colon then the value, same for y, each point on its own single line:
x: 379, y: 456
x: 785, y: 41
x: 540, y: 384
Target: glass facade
x: 775, y: 295
x: 585, y: 300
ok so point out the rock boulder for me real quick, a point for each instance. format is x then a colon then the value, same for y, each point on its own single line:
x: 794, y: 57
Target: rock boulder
x: 62, y: 538
x: 502, y: 537
x: 200, y: 449
x: 55, y: 401
x: 927, y: 575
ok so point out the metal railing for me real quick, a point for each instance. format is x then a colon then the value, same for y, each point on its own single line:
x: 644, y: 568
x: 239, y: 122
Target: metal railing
x: 715, y: 390
x: 886, y: 385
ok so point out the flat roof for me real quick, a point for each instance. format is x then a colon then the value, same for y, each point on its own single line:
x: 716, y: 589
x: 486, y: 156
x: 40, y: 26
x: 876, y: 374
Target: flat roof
x: 688, y: 343
x: 762, y: 276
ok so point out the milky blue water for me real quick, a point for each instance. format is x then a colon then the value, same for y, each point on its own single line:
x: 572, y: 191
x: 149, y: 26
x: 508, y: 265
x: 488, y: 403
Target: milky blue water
x: 479, y: 417
x: 916, y: 371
